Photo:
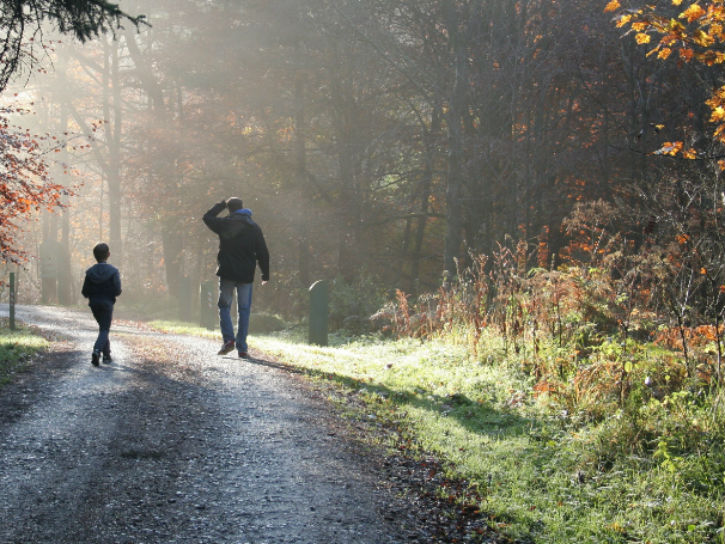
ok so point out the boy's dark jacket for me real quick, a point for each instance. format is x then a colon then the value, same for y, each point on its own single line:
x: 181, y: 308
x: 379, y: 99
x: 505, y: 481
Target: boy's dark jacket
x: 241, y: 245
x: 102, y: 283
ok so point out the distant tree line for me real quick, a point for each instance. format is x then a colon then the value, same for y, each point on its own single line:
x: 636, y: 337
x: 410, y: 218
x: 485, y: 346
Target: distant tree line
x: 390, y: 139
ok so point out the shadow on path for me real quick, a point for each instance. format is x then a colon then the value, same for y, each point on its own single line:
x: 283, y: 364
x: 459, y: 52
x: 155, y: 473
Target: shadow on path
x: 474, y: 416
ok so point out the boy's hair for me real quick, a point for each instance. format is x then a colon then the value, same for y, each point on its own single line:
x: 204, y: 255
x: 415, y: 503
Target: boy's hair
x: 101, y: 252
x: 234, y: 203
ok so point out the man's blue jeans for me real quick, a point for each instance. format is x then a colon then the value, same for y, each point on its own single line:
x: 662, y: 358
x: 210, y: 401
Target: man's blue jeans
x: 244, y: 306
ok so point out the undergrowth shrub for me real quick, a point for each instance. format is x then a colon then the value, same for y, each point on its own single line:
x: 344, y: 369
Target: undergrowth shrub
x: 622, y: 343
x: 352, y: 302
x: 588, y: 331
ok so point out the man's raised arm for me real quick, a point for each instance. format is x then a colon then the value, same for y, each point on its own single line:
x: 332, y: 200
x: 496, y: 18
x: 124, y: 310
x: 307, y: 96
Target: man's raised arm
x: 210, y: 217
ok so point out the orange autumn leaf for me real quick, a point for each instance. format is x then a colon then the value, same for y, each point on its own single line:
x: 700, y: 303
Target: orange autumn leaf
x: 642, y: 38
x: 670, y: 148
x: 718, y: 114
x: 613, y: 5
x: 703, y: 39
x: 675, y: 27
x: 720, y: 133
x: 686, y: 54
x: 710, y: 57
x: 664, y: 53
x: 716, y: 29
x: 693, y: 13
x: 623, y: 20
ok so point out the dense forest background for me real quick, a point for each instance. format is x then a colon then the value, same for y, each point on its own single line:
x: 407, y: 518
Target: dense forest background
x: 534, y: 189
x: 385, y: 144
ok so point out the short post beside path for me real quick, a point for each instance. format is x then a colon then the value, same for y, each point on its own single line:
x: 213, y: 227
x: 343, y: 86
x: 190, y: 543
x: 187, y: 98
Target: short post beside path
x: 12, y: 301
x: 319, y: 302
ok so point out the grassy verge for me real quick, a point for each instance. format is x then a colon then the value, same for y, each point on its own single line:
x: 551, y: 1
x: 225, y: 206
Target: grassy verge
x: 541, y: 474
x: 16, y: 348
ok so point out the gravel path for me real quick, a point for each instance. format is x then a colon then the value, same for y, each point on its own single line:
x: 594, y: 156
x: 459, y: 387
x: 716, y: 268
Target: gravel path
x: 172, y: 443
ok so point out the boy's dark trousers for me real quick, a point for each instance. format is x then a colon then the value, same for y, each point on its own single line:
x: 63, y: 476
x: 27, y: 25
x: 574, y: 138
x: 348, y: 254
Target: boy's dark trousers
x: 103, y: 312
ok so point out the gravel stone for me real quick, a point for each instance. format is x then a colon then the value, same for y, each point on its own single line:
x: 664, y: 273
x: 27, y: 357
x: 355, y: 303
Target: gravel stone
x: 172, y: 443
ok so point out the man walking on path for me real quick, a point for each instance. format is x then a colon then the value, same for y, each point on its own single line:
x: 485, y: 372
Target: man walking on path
x: 241, y: 248
x: 101, y: 286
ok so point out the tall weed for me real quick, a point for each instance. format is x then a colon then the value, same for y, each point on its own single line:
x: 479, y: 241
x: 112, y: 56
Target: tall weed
x: 594, y: 336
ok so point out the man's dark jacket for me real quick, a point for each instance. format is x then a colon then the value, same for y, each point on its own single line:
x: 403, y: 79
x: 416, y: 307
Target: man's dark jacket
x: 241, y: 245
x: 102, y: 283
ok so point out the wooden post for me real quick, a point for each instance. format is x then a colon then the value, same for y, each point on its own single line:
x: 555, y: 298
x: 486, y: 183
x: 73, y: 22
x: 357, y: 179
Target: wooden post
x: 12, y: 301
x: 319, y: 301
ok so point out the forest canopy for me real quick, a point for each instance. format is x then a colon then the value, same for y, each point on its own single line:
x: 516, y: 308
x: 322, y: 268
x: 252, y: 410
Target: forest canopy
x: 384, y: 142
x: 22, y: 24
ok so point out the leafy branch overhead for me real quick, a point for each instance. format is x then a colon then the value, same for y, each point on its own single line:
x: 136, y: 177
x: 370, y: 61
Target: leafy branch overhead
x: 25, y: 182
x: 21, y: 24
x: 695, y: 32
x: 25, y: 179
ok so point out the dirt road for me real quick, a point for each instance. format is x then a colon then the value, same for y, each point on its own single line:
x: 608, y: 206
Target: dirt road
x: 173, y: 444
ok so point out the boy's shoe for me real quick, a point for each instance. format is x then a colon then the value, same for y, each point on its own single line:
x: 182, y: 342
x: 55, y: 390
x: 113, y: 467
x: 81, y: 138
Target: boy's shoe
x: 107, y: 359
x: 243, y: 355
x: 226, y: 348
x: 95, y: 357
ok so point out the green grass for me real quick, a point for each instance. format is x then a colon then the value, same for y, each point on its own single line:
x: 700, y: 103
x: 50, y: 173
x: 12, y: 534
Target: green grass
x: 541, y: 474
x: 16, y: 348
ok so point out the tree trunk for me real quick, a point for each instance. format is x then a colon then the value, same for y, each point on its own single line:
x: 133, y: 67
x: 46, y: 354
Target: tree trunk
x: 454, y: 117
x: 304, y: 257
x: 426, y: 185
x: 112, y: 103
x: 173, y: 245
x: 349, y: 206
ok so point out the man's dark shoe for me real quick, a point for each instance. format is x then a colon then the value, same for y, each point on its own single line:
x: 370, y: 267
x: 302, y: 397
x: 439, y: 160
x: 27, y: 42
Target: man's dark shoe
x: 107, y: 359
x: 226, y: 348
x: 95, y: 357
x: 243, y: 355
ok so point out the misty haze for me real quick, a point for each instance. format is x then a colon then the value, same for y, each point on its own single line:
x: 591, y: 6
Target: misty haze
x: 476, y: 246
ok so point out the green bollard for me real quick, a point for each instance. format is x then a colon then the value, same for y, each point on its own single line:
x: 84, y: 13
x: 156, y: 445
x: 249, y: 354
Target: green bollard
x: 12, y: 301
x: 319, y: 301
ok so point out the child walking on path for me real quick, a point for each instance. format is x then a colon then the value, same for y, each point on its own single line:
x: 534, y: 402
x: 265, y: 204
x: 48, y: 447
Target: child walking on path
x: 101, y: 287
